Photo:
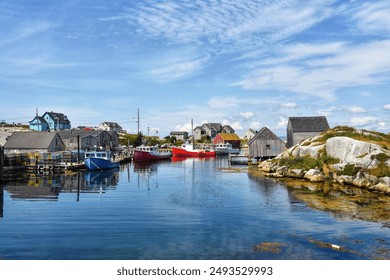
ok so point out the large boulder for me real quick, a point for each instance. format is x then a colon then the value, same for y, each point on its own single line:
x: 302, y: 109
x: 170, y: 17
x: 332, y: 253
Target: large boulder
x: 353, y: 151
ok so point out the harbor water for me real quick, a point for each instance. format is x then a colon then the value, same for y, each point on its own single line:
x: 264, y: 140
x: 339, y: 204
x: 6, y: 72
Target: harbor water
x: 187, y: 209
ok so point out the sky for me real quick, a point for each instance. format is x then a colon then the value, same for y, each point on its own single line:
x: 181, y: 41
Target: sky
x: 248, y: 64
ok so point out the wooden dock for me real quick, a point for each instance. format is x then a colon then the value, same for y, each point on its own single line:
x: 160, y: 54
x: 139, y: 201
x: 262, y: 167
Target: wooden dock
x: 54, y: 168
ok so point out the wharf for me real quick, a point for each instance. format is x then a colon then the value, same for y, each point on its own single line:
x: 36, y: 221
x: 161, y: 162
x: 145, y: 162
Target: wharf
x: 54, y: 168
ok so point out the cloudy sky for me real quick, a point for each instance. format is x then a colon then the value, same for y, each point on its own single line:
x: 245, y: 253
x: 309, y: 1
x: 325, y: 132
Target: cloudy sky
x: 245, y: 63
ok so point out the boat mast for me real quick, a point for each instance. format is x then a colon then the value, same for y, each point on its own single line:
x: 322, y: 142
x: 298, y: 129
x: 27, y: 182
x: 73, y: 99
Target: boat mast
x: 192, y: 131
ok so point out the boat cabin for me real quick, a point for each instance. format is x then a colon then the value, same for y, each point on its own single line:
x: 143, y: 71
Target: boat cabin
x: 96, y: 154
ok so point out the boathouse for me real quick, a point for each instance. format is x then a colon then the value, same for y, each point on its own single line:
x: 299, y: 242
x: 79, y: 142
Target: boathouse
x: 25, y: 142
x: 265, y: 144
x: 224, y: 138
x: 302, y: 128
x: 179, y: 135
x: 90, y: 139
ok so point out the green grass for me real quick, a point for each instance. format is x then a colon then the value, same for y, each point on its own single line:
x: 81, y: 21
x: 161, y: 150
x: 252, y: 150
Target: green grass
x: 307, y: 163
x: 374, y: 137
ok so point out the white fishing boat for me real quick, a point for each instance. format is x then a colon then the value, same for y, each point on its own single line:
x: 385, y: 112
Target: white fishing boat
x: 225, y: 149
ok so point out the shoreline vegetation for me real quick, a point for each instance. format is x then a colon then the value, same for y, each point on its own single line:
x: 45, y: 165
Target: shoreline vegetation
x: 342, y: 155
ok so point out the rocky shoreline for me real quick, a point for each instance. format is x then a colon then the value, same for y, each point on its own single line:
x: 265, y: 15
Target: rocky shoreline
x: 336, y: 157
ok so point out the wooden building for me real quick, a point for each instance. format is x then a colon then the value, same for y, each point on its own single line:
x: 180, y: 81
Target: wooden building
x: 302, y: 128
x: 223, y: 138
x: 25, y: 142
x: 90, y: 139
x: 265, y: 144
x: 179, y: 135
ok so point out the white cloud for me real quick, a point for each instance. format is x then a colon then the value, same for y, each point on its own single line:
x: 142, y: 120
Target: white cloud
x: 247, y: 115
x: 328, y: 112
x: 225, y: 22
x: 289, y: 105
x: 282, y: 123
x: 362, y: 121
x: 372, y: 17
x: 386, y: 107
x: 322, y: 76
x: 178, y: 70
x: 356, y: 109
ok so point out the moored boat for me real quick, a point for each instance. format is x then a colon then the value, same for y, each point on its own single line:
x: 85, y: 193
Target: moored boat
x: 100, y: 160
x: 225, y: 149
x: 187, y: 150
x: 149, y: 153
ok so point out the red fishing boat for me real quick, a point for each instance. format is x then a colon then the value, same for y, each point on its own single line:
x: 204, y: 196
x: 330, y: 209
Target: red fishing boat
x: 150, y: 153
x: 187, y: 150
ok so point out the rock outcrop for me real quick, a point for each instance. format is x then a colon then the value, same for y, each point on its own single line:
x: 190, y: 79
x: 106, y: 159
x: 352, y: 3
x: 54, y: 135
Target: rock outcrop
x: 341, y: 159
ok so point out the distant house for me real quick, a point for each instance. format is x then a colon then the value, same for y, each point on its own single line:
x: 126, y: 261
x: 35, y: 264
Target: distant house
x: 110, y: 126
x: 24, y: 142
x: 249, y: 134
x: 39, y: 124
x: 265, y: 144
x: 301, y: 128
x: 90, y: 139
x: 210, y: 130
x: 50, y: 121
x: 223, y: 138
x: 179, y: 135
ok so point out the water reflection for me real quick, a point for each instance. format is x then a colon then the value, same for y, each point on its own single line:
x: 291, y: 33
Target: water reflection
x: 1, y: 200
x: 146, y: 174
x: 340, y: 202
x: 49, y: 187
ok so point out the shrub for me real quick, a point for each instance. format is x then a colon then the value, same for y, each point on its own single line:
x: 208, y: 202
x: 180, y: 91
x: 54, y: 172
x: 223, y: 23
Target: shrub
x: 349, y: 170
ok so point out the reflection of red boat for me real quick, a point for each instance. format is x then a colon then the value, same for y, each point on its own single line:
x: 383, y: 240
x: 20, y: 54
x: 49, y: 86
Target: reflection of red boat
x: 148, y: 153
x: 187, y: 150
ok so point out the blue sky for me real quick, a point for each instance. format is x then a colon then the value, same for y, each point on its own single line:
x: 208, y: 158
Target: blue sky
x: 248, y: 64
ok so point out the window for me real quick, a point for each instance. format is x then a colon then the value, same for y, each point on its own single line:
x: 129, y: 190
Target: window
x: 268, y: 146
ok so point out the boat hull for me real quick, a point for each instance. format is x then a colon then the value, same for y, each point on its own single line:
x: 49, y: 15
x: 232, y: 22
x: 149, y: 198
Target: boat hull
x: 179, y: 152
x: 150, y: 156
x: 100, y: 164
x: 225, y: 151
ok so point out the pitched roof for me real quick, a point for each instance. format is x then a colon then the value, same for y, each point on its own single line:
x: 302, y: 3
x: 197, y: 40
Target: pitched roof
x: 226, y: 126
x: 58, y: 117
x: 30, y: 140
x: 178, y: 132
x: 41, y: 119
x: 112, y: 124
x: 264, y: 134
x: 213, y: 126
x: 308, y: 124
x: 68, y: 134
x: 229, y: 136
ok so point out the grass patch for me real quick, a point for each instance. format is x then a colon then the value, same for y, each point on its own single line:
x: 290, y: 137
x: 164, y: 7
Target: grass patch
x: 307, y: 163
x: 374, y: 137
x: 349, y: 170
x: 382, y: 170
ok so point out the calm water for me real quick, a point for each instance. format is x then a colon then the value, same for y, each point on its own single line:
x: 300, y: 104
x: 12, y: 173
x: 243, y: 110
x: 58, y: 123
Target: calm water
x: 190, y: 209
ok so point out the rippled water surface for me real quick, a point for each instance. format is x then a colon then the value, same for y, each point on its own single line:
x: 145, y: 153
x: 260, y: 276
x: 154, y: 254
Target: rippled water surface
x: 189, y: 209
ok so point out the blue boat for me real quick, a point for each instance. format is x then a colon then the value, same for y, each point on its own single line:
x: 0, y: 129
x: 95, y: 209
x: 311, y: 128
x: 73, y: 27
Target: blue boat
x: 100, y: 160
